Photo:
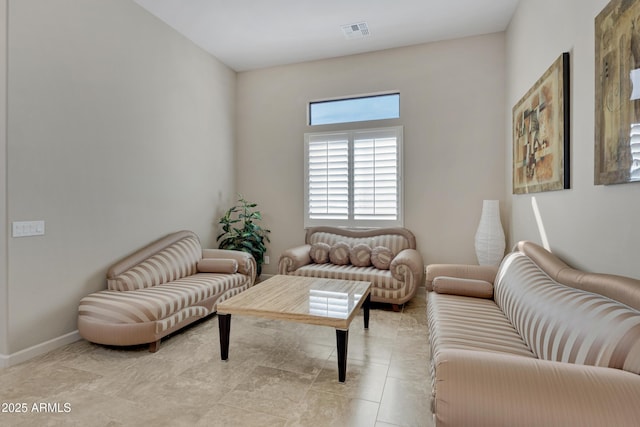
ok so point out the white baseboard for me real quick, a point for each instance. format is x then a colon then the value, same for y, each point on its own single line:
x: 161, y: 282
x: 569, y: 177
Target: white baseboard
x: 38, y: 349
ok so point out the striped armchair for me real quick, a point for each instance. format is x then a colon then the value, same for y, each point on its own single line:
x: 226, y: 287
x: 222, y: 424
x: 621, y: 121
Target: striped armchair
x: 533, y: 343
x: 386, y: 257
x: 161, y: 288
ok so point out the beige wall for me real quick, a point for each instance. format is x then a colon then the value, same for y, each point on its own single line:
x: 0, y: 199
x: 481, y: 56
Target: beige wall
x: 591, y: 227
x: 119, y: 132
x: 452, y: 109
x: 117, y: 137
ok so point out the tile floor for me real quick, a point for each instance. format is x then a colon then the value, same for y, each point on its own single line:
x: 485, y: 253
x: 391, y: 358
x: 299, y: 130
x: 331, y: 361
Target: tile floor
x: 278, y: 374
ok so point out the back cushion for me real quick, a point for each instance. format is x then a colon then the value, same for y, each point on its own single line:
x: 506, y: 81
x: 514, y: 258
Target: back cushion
x: 394, y: 242
x: 174, y: 262
x: 564, y: 324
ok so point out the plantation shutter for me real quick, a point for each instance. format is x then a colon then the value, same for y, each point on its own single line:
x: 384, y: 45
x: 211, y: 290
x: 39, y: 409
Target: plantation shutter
x: 328, y: 176
x: 375, y: 175
x: 354, y: 178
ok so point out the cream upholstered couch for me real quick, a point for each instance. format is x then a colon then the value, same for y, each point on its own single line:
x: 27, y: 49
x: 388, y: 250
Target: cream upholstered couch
x: 535, y: 343
x: 161, y: 288
x: 386, y: 257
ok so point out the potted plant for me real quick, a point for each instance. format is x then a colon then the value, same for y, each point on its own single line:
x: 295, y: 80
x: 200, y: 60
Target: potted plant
x: 241, y: 233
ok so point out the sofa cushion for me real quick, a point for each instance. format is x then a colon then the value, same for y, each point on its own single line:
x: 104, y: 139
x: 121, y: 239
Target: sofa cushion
x: 384, y: 287
x: 319, y: 252
x: 457, y: 322
x: 158, y: 302
x: 174, y: 262
x: 360, y: 255
x: 381, y: 257
x: 339, y: 253
x: 217, y: 265
x: 565, y: 324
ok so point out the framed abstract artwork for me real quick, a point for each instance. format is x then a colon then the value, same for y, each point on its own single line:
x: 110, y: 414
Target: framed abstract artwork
x: 617, y: 100
x: 541, y: 133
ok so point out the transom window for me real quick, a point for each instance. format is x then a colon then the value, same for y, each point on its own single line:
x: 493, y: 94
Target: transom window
x: 354, y: 178
x: 357, y: 109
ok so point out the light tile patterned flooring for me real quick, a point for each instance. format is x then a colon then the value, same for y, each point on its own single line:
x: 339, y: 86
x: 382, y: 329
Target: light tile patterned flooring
x: 278, y: 374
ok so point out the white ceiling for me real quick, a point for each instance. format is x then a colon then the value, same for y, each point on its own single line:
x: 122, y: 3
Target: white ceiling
x: 250, y: 34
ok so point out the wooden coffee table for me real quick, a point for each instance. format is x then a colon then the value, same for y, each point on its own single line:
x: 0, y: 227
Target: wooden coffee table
x: 325, y: 302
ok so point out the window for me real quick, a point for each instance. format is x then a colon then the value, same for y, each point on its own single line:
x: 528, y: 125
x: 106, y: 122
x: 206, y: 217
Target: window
x: 374, y: 107
x: 354, y: 178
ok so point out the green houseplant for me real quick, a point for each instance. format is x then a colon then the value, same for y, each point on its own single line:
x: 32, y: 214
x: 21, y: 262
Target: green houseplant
x: 240, y: 231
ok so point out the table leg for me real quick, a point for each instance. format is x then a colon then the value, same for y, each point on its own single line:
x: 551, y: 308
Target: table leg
x: 224, y: 326
x: 365, y: 307
x: 342, y: 338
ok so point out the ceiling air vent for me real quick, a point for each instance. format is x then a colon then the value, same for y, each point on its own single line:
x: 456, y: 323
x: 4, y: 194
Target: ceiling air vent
x: 356, y: 31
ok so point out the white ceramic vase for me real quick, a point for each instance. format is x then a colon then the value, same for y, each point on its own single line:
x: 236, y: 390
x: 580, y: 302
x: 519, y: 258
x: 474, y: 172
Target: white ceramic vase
x: 490, y: 242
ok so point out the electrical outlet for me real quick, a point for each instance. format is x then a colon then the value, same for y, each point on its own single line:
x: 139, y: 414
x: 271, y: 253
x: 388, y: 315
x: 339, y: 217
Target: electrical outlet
x: 266, y: 260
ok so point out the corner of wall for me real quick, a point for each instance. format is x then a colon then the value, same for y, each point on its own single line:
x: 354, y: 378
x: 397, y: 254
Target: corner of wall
x: 4, y: 304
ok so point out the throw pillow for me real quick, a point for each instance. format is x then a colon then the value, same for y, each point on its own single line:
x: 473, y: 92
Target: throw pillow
x: 463, y: 287
x: 360, y: 255
x: 339, y: 253
x: 319, y: 252
x: 218, y: 265
x: 381, y: 257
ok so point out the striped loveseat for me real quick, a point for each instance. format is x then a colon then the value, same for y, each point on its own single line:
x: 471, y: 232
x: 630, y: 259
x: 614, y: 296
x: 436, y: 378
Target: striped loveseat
x: 536, y: 343
x: 161, y: 288
x: 386, y: 257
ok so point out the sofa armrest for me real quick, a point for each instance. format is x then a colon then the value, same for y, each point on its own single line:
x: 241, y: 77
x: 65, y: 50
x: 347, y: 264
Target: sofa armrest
x: 461, y: 271
x: 489, y: 389
x: 294, y: 258
x: 246, y: 262
x: 408, y: 267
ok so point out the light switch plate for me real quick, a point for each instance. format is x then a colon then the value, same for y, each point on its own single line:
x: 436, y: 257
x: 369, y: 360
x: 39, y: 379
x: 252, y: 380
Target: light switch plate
x: 27, y: 228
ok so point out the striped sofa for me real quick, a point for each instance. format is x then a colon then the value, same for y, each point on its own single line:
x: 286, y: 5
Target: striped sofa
x: 161, y: 288
x: 535, y: 343
x: 395, y: 283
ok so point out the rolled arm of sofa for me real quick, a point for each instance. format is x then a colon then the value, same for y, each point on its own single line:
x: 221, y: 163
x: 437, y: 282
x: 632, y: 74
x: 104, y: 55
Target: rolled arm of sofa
x: 489, y: 389
x: 246, y: 262
x: 408, y: 266
x: 294, y: 258
x: 486, y: 273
